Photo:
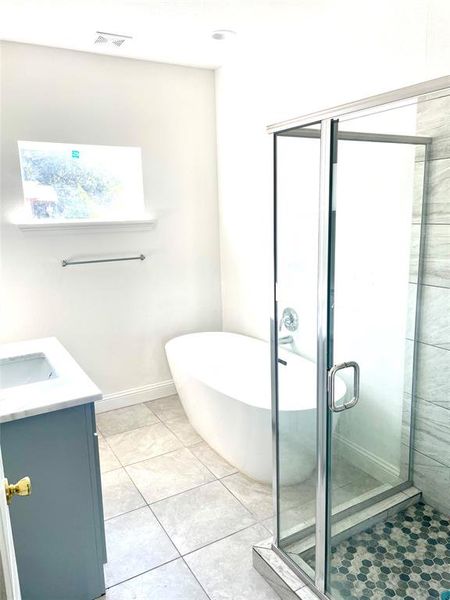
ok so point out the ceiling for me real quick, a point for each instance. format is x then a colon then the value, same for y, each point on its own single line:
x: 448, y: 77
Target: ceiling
x: 171, y: 31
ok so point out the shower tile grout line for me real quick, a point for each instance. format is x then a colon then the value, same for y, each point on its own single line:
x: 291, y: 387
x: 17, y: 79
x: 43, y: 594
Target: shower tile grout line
x: 433, y: 459
x: 433, y: 285
x: 427, y: 343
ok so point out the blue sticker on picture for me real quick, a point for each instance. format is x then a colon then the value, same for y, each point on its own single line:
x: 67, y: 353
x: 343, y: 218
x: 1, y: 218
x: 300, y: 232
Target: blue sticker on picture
x: 445, y: 595
x: 75, y: 154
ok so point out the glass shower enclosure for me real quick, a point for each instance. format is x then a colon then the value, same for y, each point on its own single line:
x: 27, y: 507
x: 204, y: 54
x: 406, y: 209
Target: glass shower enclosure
x: 362, y: 295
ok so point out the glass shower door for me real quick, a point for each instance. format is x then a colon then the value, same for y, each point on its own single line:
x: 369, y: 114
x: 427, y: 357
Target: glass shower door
x: 377, y: 180
x: 359, y: 199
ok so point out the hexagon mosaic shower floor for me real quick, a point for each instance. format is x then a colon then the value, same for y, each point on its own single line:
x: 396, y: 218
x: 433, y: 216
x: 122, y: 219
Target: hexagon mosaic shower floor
x: 407, y: 556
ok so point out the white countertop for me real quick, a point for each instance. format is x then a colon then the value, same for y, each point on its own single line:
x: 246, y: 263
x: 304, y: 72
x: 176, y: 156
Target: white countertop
x: 71, y: 387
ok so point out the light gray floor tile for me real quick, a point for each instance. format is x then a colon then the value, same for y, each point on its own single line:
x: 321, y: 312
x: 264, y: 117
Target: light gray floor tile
x: 213, y: 461
x: 108, y: 460
x: 170, y: 474
x: 172, y: 581
x: 268, y: 524
x: 184, y: 431
x: 296, y: 518
x: 256, y: 497
x: 225, y: 568
x: 353, y: 490
x: 167, y: 409
x: 135, y: 543
x: 343, y: 472
x: 124, y: 419
x: 119, y: 494
x: 140, y: 444
x: 298, y: 494
x: 201, y: 516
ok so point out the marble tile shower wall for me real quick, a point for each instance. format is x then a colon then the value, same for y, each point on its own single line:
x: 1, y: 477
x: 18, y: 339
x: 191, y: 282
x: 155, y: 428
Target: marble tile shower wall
x: 432, y: 404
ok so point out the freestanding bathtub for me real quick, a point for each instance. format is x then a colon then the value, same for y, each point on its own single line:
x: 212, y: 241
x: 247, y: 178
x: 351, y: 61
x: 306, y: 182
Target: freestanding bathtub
x: 223, y: 380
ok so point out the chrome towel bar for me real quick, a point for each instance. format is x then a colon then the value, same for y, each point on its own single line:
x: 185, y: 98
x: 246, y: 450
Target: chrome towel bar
x: 67, y: 263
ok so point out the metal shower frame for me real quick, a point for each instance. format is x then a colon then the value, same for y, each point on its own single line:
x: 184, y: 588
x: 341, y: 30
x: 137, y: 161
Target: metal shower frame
x: 329, y: 136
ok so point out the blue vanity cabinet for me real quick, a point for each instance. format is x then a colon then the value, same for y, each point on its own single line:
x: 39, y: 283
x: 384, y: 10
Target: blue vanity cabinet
x: 58, y: 530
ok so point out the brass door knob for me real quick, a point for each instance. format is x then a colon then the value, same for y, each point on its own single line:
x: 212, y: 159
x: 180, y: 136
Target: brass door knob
x: 21, y: 488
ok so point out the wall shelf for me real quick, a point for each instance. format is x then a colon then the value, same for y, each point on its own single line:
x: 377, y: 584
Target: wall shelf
x: 80, y: 226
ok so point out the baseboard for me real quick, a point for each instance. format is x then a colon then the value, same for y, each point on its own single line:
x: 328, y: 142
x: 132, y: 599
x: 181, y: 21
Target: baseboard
x: 368, y: 461
x: 136, y: 395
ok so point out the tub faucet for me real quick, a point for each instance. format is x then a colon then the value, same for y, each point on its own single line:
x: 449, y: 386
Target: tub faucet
x: 289, y: 318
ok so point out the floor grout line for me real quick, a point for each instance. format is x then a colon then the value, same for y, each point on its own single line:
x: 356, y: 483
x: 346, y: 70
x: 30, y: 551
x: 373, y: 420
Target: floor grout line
x: 167, y: 562
x: 106, y: 436
x: 228, y: 535
x: 149, y: 457
x: 196, y: 578
x: 240, y: 502
x: 201, y: 462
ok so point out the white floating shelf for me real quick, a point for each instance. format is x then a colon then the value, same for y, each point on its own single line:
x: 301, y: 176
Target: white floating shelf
x: 88, y: 226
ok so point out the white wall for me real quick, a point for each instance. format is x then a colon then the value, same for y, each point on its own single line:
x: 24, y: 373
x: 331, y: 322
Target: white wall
x: 114, y: 318
x: 341, y: 52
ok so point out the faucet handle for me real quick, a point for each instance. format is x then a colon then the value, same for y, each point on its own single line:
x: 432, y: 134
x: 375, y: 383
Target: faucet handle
x: 289, y: 319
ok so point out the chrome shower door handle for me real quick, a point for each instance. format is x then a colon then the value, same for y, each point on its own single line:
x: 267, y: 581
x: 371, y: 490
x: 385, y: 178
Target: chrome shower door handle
x: 332, y: 387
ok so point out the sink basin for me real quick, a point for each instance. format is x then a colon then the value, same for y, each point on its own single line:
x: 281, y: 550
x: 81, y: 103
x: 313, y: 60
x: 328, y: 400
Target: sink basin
x: 22, y: 370
x: 40, y: 376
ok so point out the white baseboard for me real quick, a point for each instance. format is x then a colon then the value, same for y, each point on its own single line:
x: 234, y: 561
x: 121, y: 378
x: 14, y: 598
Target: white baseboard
x: 368, y: 461
x: 136, y: 395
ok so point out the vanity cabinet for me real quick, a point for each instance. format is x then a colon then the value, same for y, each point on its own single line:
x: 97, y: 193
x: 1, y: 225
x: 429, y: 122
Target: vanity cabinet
x: 58, y: 530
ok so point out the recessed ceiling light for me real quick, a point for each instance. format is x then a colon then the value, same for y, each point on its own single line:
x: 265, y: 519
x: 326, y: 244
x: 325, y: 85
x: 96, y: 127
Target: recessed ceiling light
x: 223, y: 34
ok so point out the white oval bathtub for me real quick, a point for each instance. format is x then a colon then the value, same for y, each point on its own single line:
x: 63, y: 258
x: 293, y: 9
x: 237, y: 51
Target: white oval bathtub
x: 223, y: 380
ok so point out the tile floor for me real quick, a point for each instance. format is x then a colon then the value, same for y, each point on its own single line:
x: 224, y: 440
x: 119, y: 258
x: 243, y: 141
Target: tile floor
x: 180, y: 521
